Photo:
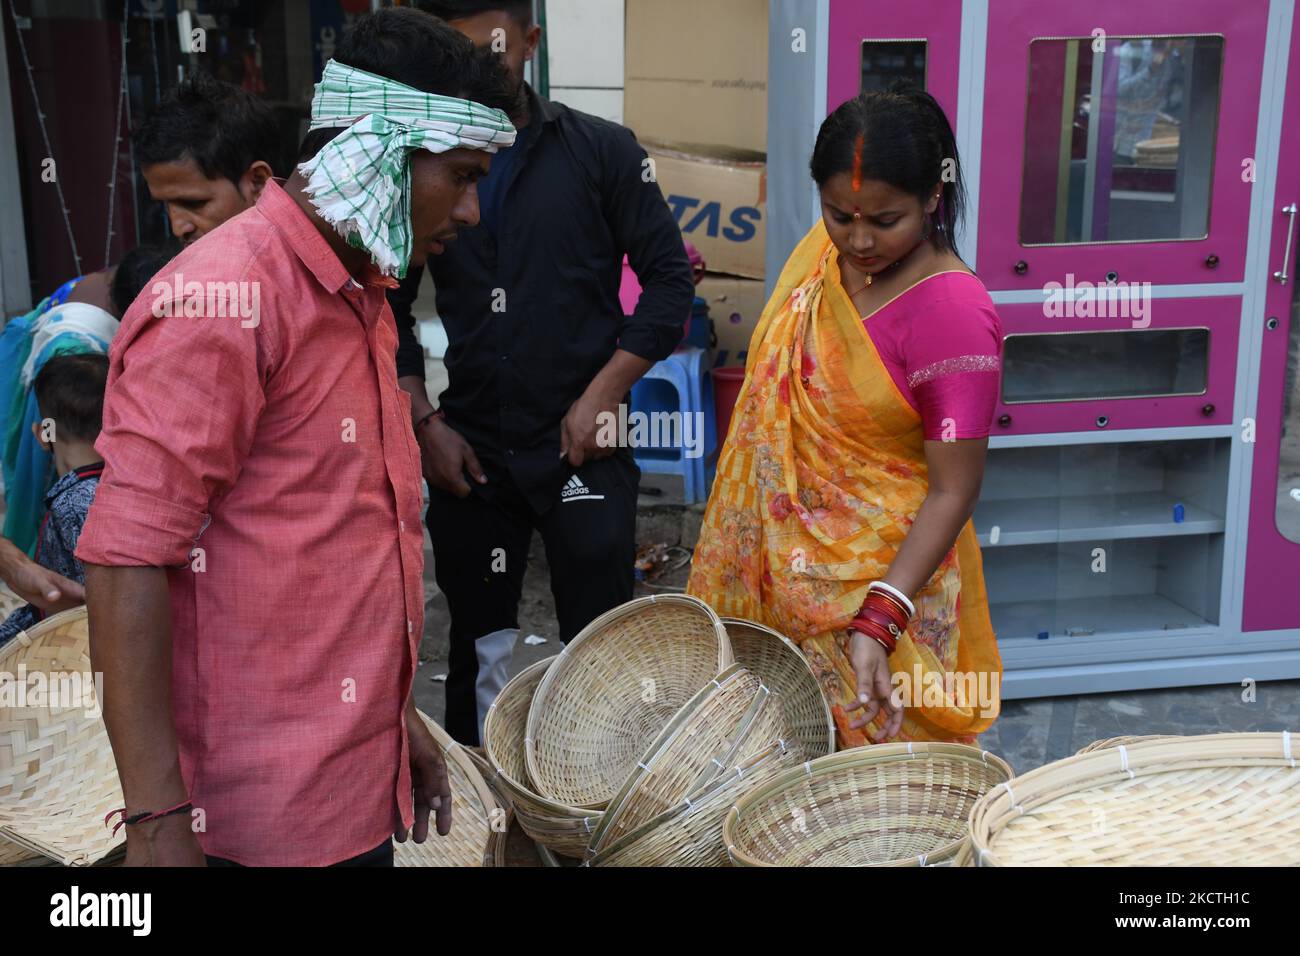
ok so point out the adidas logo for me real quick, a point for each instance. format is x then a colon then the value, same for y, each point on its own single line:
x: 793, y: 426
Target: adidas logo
x: 575, y: 490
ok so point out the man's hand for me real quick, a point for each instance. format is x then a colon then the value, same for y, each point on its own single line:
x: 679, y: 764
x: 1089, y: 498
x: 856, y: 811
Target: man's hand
x: 581, y: 427
x: 166, y: 842
x: 429, y: 782
x: 36, y: 585
x: 445, y: 457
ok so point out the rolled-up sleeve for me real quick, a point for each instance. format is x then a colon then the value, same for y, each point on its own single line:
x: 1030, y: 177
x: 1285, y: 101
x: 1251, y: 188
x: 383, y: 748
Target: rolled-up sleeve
x: 182, y: 405
x: 644, y: 228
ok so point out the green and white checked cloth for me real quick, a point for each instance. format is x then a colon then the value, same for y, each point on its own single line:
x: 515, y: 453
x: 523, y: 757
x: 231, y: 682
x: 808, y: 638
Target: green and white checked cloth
x: 360, y: 182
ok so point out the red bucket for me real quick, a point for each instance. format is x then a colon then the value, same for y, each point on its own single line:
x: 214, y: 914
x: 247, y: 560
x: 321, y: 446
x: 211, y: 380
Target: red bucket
x: 726, y: 389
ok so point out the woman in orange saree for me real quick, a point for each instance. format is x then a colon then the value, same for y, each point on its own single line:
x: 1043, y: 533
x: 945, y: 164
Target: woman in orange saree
x: 855, y: 453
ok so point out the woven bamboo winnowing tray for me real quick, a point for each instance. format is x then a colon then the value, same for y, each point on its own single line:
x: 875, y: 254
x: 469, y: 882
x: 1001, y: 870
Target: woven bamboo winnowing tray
x: 902, y: 804
x: 730, y: 720
x: 562, y: 829
x: 690, y: 833
x: 1214, y: 800
x: 478, y: 822
x: 1116, y: 741
x: 58, y: 779
x: 780, y: 665
x: 612, y: 690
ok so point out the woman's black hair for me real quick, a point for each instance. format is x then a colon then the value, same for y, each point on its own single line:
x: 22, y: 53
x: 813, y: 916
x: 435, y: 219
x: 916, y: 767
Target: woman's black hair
x: 134, y: 271
x: 419, y: 50
x: 906, y: 141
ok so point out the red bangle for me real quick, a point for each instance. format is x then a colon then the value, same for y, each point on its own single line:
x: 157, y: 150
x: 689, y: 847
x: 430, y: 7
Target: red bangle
x: 881, y: 618
x: 884, y: 599
x: 885, y: 613
x: 871, y: 630
x: 874, y: 631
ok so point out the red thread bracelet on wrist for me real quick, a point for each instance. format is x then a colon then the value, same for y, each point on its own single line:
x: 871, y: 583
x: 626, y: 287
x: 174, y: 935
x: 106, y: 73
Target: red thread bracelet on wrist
x: 436, y: 413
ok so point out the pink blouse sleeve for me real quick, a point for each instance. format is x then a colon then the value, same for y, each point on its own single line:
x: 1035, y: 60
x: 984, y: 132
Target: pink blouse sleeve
x: 954, y: 367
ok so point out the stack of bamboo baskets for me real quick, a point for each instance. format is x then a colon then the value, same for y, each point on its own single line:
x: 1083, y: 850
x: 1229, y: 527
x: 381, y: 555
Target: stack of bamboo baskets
x: 630, y: 746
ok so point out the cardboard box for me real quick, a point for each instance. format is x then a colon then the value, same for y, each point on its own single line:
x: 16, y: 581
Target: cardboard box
x: 735, y: 306
x: 696, y: 73
x: 720, y: 206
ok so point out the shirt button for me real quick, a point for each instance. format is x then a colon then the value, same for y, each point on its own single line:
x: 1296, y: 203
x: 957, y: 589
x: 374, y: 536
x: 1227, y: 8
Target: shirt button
x: 401, y: 525
x: 409, y: 626
x: 510, y: 451
x: 505, y: 358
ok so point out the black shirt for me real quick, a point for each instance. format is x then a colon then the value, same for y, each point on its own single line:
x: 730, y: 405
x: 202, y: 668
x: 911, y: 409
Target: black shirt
x: 532, y: 316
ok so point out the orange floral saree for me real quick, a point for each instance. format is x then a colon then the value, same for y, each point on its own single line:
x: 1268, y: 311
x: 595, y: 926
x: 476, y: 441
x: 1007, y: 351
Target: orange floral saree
x: 819, y: 480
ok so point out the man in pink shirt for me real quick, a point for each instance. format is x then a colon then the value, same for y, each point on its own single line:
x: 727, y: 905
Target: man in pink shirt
x: 254, y: 557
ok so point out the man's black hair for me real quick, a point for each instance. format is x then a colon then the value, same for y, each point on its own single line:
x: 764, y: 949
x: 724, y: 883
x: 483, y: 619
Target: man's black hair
x: 424, y: 53
x: 135, y: 270
x: 223, y: 128
x: 521, y: 10
x: 70, y: 390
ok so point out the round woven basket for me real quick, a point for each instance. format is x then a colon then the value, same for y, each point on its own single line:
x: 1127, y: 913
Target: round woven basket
x: 9, y: 601
x: 613, y: 689
x: 1214, y: 800
x: 730, y: 719
x: 58, y: 779
x: 903, y: 804
x: 478, y: 822
x: 1110, y: 742
x: 690, y: 833
x: 780, y: 665
x: 562, y: 829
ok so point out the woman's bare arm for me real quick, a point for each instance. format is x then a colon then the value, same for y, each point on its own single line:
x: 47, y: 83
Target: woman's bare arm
x: 956, y: 473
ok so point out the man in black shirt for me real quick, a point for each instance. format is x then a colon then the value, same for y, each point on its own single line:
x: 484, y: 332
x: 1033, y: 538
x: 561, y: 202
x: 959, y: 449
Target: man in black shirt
x: 538, y: 349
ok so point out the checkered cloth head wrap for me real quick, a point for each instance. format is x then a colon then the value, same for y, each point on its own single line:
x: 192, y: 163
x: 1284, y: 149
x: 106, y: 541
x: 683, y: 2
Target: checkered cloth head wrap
x: 360, y: 181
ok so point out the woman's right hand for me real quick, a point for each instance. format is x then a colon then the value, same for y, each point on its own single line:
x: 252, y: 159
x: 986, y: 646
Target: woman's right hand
x: 875, y: 688
x: 445, y: 456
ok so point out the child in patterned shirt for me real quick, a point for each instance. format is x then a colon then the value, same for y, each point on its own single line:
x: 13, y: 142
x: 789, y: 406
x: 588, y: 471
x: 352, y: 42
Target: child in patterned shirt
x: 70, y: 396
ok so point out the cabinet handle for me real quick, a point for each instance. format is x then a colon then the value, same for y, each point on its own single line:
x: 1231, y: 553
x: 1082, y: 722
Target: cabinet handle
x: 1286, y: 256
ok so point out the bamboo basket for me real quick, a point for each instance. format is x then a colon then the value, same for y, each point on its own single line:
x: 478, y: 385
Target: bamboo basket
x: 732, y: 718
x: 58, y: 779
x: 473, y: 841
x: 562, y: 829
x: 690, y: 833
x: 1116, y: 741
x: 780, y: 665
x: 612, y: 690
x: 496, y: 851
x: 9, y: 601
x: 902, y: 804
x: 1212, y: 800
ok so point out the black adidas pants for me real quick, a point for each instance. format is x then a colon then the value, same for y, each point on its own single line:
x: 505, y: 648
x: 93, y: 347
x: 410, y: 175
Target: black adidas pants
x: 480, y: 552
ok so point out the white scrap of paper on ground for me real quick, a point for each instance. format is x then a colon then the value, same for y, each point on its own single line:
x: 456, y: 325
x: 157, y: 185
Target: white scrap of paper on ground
x: 534, y: 639
x: 438, y: 677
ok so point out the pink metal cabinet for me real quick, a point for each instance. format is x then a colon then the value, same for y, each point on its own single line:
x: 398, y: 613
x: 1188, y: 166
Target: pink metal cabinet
x: 1272, y: 586
x: 938, y: 22
x: 1012, y: 26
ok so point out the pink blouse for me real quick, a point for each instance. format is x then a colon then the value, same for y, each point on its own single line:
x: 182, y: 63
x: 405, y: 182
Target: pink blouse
x: 941, y: 342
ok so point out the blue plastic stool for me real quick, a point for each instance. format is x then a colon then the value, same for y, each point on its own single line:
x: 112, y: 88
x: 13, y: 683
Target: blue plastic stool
x: 680, y: 383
